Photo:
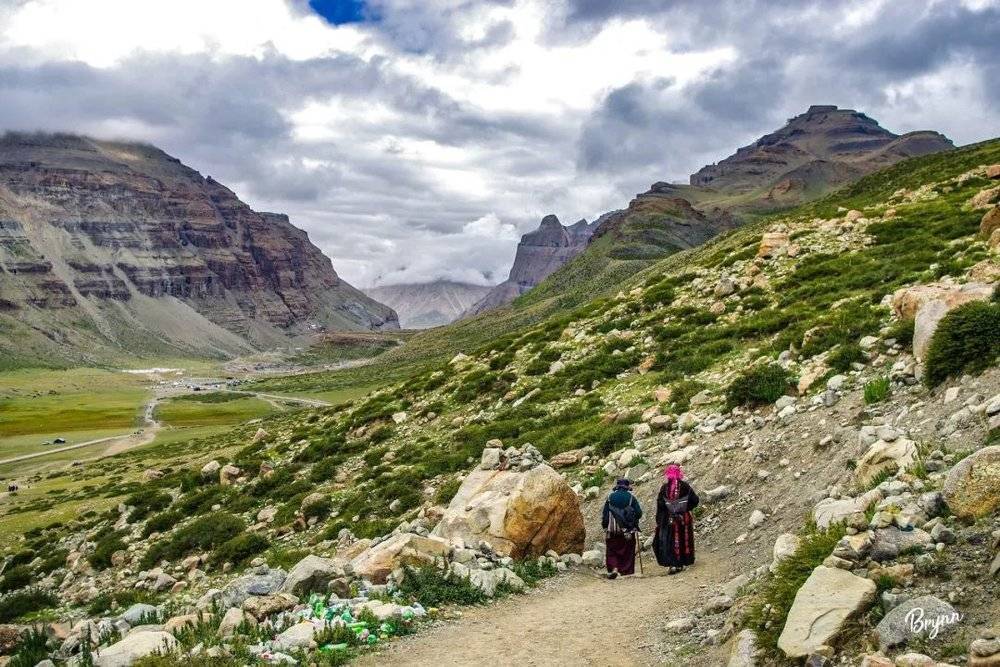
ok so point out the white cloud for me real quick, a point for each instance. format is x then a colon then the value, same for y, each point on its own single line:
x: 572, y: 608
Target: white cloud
x: 422, y: 145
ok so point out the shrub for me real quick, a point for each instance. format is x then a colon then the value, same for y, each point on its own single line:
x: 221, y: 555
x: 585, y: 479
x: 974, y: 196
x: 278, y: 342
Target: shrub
x: 683, y: 391
x: 16, y: 577
x: 161, y: 523
x: 145, y: 503
x: 22, y: 557
x: 902, y: 332
x: 203, y: 534
x: 240, y: 549
x: 106, y: 546
x: 447, y: 491
x: 32, y: 649
x: 877, y: 390
x: 758, y: 385
x: 433, y: 587
x: 53, y: 560
x: 17, y: 604
x: 319, y: 508
x: 966, y: 340
x: 844, y: 355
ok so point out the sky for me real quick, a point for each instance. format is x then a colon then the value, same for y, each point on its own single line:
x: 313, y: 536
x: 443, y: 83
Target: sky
x: 418, y: 139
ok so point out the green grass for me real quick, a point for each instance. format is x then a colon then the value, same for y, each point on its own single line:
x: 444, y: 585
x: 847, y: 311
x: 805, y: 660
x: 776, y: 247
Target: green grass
x: 877, y: 390
x: 185, y: 412
x: 75, y: 404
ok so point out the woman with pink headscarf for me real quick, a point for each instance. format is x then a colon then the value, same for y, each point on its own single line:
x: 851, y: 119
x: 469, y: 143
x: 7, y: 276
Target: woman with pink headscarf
x: 673, y: 542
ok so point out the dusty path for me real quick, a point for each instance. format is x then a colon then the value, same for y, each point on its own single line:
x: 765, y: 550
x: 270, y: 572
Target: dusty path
x: 575, y: 619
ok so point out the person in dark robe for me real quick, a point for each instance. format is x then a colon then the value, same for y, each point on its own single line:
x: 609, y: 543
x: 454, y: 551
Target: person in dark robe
x: 673, y: 542
x: 620, y: 521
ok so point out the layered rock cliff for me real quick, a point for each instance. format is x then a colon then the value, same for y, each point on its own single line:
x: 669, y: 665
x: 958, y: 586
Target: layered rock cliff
x: 538, y: 255
x: 124, y: 240
x: 424, y: 305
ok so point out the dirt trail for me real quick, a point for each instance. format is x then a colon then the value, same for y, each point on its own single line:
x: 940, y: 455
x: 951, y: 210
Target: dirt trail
x: 574, y: 619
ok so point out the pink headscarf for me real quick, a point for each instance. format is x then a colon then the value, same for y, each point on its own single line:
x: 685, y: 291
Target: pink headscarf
x: 673, y: 472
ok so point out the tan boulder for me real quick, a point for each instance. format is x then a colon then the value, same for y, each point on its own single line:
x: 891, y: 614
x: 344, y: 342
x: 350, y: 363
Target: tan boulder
x: 773, y: 244
x: 823, y: 606
x: 901, y: 453
x: 972, y: 488
x: 262, y: 606
x: 378, y: 562
x: 521, y: 514
x: 228, y: 474
x: 993, y: 171
x: 928, y: 304
x: 566, y: 459
x: 133, y: 647
x: 985, y: 198
x: 994, y: 240
x: 990, y: 222
x: 986, y: 271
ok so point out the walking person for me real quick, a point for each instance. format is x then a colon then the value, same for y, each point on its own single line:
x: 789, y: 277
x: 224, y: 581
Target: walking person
x: 620, y: 521
x: 673, y: 542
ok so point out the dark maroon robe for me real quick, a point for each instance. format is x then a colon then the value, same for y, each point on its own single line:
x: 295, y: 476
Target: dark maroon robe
x: 621, y: 553
x: 673, y: 543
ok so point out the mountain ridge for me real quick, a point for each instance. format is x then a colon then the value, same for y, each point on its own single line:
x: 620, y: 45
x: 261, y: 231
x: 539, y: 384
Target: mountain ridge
x: 428, y: 304
x: 124, y: 237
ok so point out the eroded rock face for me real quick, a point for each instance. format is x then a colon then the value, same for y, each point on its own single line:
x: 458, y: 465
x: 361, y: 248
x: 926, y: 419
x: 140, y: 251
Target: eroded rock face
x: 521, y: 514
x: 538, y: 255
x: 972, y: 488
x: 828, y: 599
x: 127, y: 227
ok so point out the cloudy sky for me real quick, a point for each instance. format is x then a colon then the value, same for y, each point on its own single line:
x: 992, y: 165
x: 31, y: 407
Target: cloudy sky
x: 417, y: 139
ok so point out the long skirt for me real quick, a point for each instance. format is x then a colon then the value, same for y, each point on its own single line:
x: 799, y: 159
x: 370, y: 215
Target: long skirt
x: 621, y: 553
x: 674, y: 542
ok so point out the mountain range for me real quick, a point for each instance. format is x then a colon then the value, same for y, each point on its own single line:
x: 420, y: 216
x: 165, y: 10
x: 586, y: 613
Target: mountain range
x: 813, y: 154
x: 118, y: 245
x: 431, y: 304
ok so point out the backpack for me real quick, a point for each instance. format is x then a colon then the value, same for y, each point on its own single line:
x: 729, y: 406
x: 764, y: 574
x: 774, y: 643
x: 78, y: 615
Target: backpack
x: 679, y: 506
x: 622, y: 520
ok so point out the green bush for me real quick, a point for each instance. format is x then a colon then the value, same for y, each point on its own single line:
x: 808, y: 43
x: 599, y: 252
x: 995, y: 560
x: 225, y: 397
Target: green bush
x: 447, y: 491
x: 17, y: 604
x: 53, y: 560
x: 966, y: 340
x: 758, y: 385
x: 240, y: 549
x: 841, y: 358
x: 902, y: 332
x: 433, y: 587
x: 106, y: 546
x: 203, y: 534
x: 877, y: 390
x: 22, y: 557
x: 31, y: 650
x: 145, y: 503
x: 161, y: 523
x: 14, y: 578
x: 320, y: 508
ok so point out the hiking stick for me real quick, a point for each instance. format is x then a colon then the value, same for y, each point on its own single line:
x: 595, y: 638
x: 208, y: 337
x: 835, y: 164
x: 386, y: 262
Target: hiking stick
x: 638, y: 551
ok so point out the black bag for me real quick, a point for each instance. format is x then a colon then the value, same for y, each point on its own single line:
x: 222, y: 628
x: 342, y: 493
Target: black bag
x: 678, y: 506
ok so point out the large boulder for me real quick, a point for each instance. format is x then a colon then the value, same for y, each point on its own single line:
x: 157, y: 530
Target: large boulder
x: 263, y: 582
x: 744, y: 651
x: 521, y: 514
x: 889, y: 543
x: 899, y: 454
x: 311, y: 574
x: 923, y: 617
x: 830, y: 510
x: 134, y: 646
x: 990, y: 222
x: 972, y: 488
x: 824, y: 604
x: 378, y: 562
x: 928, y: 304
